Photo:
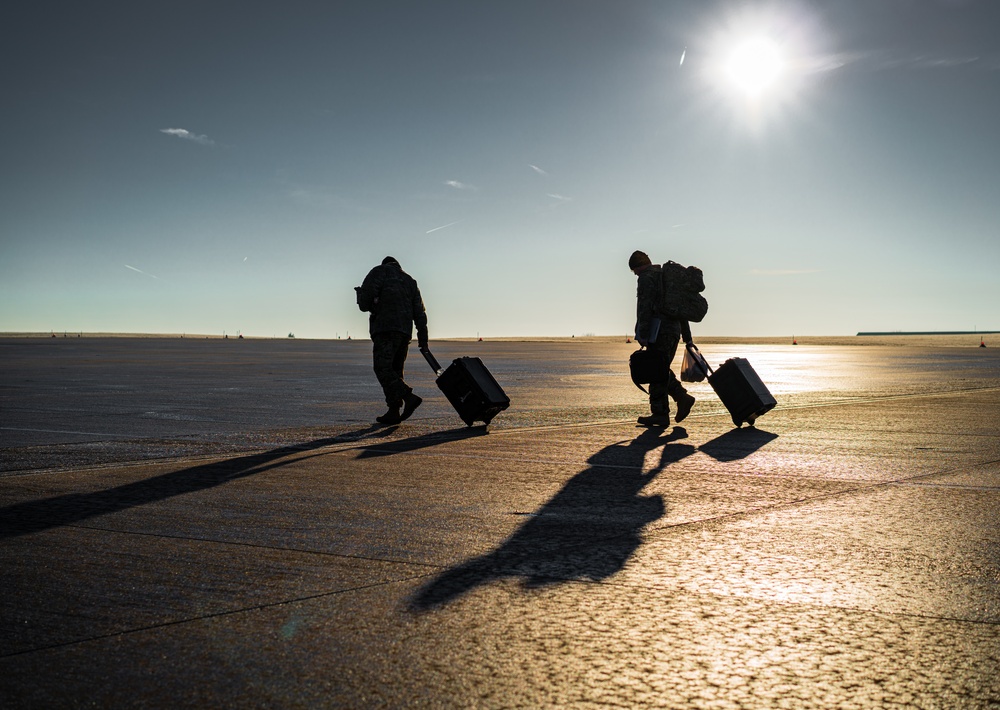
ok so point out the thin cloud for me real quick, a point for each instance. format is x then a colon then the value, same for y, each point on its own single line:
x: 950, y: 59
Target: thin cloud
x: 443, y: 226
x: 140, y: 271
x: 820, y: 64
x: 187, y: 135
x: 885, y: 61
x: 537, y: 169
x: 316, y: 196
x: 561, y: 198
x: 782, y: 272
x: 459, y: 185
x: 943, y: 62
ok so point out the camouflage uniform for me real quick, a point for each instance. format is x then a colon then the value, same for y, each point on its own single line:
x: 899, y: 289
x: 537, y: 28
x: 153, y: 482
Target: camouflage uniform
x: 393, y: 299
x: 648, y: 293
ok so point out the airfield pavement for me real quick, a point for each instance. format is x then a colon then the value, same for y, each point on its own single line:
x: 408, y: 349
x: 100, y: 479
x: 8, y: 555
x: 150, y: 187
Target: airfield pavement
x: 218, y: 524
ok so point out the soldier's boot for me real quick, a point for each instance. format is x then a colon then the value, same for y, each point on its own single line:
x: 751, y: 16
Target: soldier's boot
x: 390, y: 417
x: 655, y: 420
x: 410, y: 403
x: 684, y: 403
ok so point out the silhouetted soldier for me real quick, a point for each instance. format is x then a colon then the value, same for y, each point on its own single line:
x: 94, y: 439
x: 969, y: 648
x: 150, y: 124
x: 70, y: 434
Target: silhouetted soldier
x: 393, y: 299
x: 649, y: 320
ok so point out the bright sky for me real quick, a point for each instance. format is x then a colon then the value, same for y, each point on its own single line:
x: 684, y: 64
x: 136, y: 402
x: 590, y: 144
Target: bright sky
x: 209, y: 167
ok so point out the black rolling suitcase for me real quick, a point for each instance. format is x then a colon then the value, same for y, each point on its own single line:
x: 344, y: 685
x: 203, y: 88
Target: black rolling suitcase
x: 740, y: 389
x: 470, y: 388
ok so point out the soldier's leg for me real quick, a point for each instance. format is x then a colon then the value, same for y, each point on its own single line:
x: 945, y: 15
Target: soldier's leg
x: 660, y: 393
x: 385, y: 359
x: 659, y: 400
x: 673, y: 386
x: 399, y: 356
x: 410, y: 400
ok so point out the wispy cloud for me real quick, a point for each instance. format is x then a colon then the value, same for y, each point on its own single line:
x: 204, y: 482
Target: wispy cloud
x: 459, y: 185
x: 443, y: 226
x: 537, y: 169
x: 882, y: 61
x: 317, y: 196
x: 561, y: 198
x: 782, y: 272
x: 314, y: 195
x: 140, y: 271
x: 187, y: 135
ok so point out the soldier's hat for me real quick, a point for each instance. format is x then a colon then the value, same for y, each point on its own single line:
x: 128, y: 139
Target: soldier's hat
x: 638, y: 259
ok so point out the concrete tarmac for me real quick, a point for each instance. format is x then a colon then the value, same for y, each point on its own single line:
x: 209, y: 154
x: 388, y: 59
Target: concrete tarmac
x: 218, y: 523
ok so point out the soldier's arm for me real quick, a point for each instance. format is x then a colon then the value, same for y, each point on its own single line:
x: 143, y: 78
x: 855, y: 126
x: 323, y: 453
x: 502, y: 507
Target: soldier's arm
x: 419, y: 317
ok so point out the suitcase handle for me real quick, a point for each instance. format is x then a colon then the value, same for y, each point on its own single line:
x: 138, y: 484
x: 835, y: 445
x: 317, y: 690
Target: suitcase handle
x: 432, y: 361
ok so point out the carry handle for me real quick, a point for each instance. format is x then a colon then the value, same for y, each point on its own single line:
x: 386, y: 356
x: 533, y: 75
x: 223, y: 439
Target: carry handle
x: 432, y: 361
x: 701, y: 358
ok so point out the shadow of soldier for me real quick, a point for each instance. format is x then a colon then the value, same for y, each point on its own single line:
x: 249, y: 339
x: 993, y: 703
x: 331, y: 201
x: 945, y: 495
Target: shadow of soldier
x: 587, y: 531
x: 37, y: 515
x: 415, y: 443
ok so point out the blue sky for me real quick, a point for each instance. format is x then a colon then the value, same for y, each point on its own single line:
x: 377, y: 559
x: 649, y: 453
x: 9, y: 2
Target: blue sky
x: 240, y: 166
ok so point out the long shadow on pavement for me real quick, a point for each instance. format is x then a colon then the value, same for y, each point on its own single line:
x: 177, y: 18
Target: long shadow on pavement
x: 587, y: 531
x: 737, y: 443
x: 414, y: 443
x: 38, y: 515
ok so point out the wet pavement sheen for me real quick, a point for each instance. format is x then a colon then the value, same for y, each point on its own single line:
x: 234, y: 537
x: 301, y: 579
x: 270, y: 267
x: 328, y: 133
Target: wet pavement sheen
x: 218, y: 523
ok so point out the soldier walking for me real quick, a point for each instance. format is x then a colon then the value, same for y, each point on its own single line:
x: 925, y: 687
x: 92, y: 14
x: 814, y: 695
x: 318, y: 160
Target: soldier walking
x: 393, y: 299
x: 658, y: 331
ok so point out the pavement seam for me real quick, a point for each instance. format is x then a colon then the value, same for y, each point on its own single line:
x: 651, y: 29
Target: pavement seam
x: 203, y: 617
x: 321, y: 595
x: 349, y: 444
x: 744, y: 513
x: 238, y: 543
x: 907, y: 481
x: 764, y: 600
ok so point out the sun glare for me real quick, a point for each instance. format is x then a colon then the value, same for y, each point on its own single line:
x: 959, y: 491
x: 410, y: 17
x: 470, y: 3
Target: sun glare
x: 757, y: 63
x: 754, y: 66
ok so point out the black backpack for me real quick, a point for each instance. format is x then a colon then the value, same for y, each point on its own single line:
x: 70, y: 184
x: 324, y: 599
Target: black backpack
x: 681, y: 288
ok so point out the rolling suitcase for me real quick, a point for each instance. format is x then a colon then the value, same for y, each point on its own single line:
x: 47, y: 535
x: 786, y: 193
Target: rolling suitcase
x: 740, y: 389
x: 470, y: 388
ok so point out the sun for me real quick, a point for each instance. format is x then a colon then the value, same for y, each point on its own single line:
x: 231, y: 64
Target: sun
x: 754, y: 66
x: 759, y: 63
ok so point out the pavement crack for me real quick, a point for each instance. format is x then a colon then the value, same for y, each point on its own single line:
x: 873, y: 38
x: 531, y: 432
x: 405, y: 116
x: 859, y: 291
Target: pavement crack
x: 253, y: 545
x: 214, y: 615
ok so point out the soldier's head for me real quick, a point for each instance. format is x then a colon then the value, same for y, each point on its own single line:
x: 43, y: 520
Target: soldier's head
x: 638, y: 262
x: 390, y: 260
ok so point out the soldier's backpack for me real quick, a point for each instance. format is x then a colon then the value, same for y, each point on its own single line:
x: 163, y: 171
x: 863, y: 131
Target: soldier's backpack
x: 681, y: 292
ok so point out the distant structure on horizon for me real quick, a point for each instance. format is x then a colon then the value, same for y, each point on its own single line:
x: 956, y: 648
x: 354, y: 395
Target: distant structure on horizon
x: 937, y: 332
